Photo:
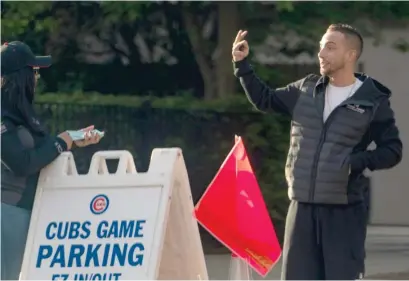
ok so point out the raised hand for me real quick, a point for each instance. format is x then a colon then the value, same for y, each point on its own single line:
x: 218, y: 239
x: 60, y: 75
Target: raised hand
x: 240, y: 47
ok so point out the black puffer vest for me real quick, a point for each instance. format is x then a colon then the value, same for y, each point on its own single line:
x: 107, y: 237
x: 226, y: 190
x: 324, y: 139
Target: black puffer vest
x: 318, y: 163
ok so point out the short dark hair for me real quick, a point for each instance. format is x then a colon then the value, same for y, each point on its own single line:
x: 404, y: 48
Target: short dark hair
x: 351, y: 33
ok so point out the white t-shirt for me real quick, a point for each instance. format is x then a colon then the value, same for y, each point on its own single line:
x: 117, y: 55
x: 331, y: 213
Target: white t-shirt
x: 336, y: 95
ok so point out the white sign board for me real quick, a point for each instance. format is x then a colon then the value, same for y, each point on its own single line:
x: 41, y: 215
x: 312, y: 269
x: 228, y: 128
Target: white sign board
x: 121, y: 226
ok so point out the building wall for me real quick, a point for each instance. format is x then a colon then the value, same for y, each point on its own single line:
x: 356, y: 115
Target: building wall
x: 390, y: 198
x: 390, y: 192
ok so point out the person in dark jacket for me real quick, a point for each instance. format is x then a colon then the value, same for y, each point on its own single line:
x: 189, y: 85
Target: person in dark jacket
x: 26, y: 148
x: 334, y: 119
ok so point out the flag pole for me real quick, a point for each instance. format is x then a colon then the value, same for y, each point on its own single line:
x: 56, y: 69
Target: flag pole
x: 239, y: 269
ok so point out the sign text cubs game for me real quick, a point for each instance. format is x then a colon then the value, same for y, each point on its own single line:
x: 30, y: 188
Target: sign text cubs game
x: 119, y: 244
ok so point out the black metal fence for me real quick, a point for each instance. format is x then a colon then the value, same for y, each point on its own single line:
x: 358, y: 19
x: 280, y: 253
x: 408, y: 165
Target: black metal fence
x: 205, y: 137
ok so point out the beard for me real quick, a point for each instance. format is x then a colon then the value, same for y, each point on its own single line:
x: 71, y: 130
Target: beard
x: 330, y: 68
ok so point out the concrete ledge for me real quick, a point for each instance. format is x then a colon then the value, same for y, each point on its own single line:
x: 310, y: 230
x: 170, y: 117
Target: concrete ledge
x: 374, y: 230
x: 389, y: 276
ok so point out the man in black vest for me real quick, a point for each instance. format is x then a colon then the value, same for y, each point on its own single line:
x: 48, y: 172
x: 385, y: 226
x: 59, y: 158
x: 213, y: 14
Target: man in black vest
x: 335, y: 117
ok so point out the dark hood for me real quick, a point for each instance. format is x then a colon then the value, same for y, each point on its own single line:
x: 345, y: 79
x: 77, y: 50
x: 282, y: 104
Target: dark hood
x: 370, y: 90
x: 373, y: 85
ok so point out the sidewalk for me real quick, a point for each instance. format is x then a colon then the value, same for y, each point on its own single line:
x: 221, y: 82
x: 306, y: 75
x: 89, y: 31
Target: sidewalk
x: 387, y: 257
x: 388, y: 253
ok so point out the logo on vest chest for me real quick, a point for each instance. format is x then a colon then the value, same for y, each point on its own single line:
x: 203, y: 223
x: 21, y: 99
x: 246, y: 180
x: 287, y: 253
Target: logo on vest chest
x: 355, y: 108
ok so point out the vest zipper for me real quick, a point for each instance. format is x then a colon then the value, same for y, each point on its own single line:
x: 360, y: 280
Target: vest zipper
x: 319, y: 147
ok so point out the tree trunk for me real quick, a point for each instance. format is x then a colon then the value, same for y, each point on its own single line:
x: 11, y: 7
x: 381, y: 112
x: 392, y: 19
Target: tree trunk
x: 194, y: 32
x: 228, y: 21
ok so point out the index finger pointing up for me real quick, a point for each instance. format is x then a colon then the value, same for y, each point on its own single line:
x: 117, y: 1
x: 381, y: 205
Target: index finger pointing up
x: 240, y: 36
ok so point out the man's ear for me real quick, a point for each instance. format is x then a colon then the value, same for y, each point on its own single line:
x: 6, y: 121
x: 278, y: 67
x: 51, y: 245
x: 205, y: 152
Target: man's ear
x: 353, y: 55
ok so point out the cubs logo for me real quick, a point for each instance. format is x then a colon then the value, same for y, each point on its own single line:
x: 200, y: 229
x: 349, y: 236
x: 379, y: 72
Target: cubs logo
x: 99, y: 204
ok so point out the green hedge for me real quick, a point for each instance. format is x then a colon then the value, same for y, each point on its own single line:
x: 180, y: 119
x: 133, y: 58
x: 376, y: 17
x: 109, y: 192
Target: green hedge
x: 204, y: 130
x: 237, y: 103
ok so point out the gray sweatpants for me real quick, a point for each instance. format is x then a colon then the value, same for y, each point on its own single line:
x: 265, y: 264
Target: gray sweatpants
x: 14, y: 228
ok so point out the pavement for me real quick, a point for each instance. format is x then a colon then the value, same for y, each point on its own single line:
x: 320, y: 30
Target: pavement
x: 387, y: 250
x: 388, y: 253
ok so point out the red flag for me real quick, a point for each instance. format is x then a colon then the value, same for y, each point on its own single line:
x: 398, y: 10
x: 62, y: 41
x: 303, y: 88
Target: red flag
x: 233, y: 210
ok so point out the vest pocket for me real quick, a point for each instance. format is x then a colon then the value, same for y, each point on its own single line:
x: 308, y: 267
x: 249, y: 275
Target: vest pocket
x: 345, y: 168
x: 345, y: 163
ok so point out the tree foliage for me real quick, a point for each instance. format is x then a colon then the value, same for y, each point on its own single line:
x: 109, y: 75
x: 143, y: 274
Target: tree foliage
x: 171, y: 36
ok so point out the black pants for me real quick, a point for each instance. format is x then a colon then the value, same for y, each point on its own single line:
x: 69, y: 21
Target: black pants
x: 324, y: 242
